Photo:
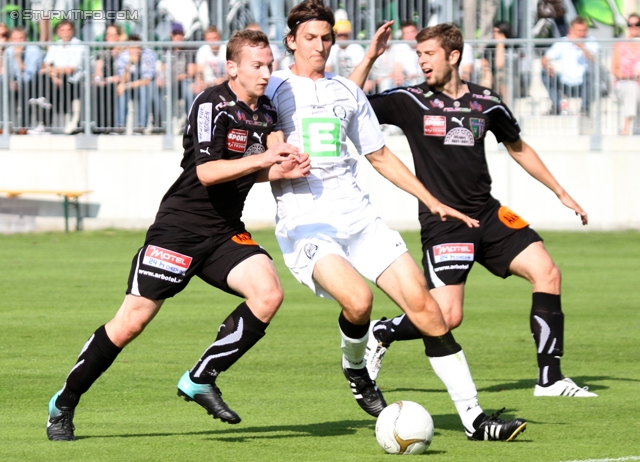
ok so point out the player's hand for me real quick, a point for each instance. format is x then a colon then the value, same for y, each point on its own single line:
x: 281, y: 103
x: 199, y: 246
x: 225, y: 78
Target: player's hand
x: 275, y: 137
x: 444, y: 212
x: 573, y: 205
x: 296, y: 166
x: 379, y: 41
x: 278, y: 154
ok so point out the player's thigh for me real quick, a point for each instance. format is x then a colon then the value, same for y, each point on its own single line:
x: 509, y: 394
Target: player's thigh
x: 536, y: 266
x: 225, y: 257
x: 449, y: 250
x: 375, y: 247
x: 405, y: 284
x: 336, y: 276
x: 505, y: 235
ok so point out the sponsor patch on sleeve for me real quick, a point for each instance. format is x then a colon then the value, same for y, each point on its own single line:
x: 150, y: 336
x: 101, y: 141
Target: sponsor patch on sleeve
x: 237, y: 140
x: 435, y: 125
x: 166, y: 259
x: 511, y: 219
x: 453, y: 252
x: 204, y: 122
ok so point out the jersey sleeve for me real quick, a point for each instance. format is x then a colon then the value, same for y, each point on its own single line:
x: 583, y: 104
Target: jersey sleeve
x: 503, y: 124
x: 364, y: 129
x: 388, y: 107
x: 210, y: 131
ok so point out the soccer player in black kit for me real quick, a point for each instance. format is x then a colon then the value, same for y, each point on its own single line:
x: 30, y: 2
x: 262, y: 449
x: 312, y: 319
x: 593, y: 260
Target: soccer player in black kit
x: 445, y: 120
x: 198, y: 232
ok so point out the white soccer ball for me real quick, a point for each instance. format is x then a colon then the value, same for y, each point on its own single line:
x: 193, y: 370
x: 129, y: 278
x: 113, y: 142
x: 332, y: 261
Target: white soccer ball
x: 404, y: 427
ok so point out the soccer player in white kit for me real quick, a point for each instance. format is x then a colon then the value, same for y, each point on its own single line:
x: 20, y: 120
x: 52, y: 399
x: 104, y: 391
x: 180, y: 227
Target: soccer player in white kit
x: 330, y: 234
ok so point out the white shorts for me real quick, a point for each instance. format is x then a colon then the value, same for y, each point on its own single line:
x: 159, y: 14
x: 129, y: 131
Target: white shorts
x: 349, y: 228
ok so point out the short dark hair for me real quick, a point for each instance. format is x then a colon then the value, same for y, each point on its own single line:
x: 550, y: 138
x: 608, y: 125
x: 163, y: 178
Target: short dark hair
x: 448, y: 36
x: 64, y: 22
x: 134, y: 38
x: 504, y: 27
x: 242, y: 38
x: 578, y: 20
x: 308, y: 10
x: 408, y: 23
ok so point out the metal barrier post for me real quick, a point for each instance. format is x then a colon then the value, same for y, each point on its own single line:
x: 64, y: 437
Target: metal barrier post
x: 596, y: 136
x: 167, y: 139
x: 4, y: 139
x: 87, y: 140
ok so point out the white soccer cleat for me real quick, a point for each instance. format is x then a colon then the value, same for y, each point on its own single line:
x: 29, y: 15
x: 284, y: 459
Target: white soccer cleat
x: 375, y: 353
x: 564, y: 387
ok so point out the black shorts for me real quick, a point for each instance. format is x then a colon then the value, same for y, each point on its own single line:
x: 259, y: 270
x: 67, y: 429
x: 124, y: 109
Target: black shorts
x: 450, y: 248
x: 171, y: 256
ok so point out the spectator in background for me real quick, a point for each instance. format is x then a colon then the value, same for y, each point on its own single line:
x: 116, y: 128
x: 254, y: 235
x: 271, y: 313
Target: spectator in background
x: 62, y: 71
x: 275, y: 49
x: 343, y: 57
x: 407, y: 71
x: 106, y: 81
x: 136, y: 69
x: 382, y: 71
x: 575, y: 59
x: 496, y: 61
x: 260, y: 12
x: 626, y: 70
x: 183, y: 72
x: 23, y: 64
x: 211, y: 60
x: 4, y: 36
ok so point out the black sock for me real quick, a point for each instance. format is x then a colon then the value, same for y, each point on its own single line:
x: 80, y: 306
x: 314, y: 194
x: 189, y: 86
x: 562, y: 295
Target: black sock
x: 351, y: 330
x: 398, y: 328
x: 239, y: 332
x: 547, y: 327
x: 443, y: 345
x: 96, y: 356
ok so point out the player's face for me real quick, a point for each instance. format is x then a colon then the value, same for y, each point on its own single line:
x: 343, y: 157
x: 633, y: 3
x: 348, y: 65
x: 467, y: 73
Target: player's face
x: 252, y: 73
x: 436, y: 66
x: 311, y: 46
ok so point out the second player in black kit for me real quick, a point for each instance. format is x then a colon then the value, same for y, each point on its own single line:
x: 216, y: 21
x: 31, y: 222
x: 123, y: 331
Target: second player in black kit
x: 446, y: 137
x: 446, y: 120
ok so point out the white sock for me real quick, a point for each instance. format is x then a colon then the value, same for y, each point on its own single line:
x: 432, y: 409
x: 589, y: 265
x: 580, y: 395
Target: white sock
x: 454, y: 372
x: 353, y: 351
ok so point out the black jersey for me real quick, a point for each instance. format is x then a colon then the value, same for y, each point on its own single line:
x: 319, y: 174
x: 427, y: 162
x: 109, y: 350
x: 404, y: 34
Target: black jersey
x: 219, y: 127
x: 446, y: 137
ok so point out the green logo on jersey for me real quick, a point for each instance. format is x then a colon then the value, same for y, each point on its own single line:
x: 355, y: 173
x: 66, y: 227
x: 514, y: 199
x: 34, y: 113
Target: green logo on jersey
x: 321, y: 136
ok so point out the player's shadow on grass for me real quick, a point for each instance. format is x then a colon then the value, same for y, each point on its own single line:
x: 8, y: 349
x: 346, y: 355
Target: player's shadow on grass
x: 522, y: 384
x: 529, y: 384
x: 239, y: 433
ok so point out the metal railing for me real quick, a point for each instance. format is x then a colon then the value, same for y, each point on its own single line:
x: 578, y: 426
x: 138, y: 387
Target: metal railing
x: 107, y: 93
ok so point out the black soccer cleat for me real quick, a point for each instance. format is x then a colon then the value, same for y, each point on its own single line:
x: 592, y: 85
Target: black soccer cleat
x: 60, y: 422
x: 209, y: 397
x: 365, y: 391
x: 494, y: 429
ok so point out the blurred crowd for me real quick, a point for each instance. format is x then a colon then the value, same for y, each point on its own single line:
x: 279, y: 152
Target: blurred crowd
x: 130, y: 83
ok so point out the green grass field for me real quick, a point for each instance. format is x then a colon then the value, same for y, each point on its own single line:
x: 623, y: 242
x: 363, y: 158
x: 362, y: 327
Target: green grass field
x: 295, y: 404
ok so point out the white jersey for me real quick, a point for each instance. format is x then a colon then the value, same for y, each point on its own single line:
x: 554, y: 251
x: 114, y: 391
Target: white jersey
x: 317, y: 117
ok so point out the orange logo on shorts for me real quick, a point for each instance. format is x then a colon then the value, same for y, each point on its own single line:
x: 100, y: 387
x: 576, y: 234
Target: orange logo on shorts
x: 244, y: 239
x: 511, y: 219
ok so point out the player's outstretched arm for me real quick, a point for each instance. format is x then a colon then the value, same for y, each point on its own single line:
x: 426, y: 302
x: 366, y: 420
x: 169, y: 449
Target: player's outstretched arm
x: 394, y: 170
x: 222, y: 170
x: 528, y: 158
x: 374, y: 51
